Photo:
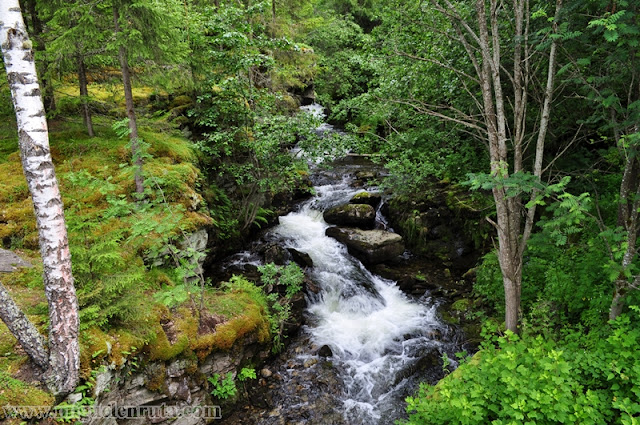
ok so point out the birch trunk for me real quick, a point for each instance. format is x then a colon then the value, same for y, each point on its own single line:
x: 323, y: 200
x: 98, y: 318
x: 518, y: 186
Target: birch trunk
x: 29, y: 337
x: 64, y: 352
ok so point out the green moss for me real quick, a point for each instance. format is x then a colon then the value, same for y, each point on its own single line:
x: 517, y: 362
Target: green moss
x: 461, y: 305
x: 156, y: 378
x: 18, y: 393
x: 361, y: 195
x: 96, y: 185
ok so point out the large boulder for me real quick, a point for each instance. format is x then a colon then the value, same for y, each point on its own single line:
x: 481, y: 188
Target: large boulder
x: 372, y: 199
x: 356, y: 215
x: 369, y: 246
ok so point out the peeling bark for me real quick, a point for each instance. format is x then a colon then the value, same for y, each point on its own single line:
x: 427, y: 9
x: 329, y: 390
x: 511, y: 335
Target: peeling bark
x: 33, y: 138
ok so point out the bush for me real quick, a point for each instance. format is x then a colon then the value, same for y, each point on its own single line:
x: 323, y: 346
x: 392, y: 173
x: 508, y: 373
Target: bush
x: 589, y: 378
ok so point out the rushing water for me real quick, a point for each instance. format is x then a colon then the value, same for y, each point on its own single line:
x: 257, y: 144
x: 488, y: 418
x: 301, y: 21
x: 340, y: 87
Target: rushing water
x: 380, y: 338
x: 375, y: 331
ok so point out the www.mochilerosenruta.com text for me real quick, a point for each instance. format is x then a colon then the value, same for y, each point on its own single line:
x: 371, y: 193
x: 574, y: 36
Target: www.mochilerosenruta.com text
x: 162, y: 411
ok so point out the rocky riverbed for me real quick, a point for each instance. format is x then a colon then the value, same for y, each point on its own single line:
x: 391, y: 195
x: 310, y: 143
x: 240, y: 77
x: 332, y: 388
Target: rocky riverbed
x: 314, y: 383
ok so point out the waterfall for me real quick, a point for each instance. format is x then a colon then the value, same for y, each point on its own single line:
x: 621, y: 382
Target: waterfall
x: 375, y: 331
x: 383, y: 342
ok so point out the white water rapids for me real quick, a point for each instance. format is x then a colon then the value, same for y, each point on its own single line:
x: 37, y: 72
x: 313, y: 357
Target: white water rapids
x: 377, y: 334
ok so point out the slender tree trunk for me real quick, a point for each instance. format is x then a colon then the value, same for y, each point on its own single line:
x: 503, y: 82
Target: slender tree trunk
x: 512, y: 239
x: 273, y: 17
x: 26, y: 333
x: 618, y: 300
x: 47, y: 88
x: 33, y: 138
x: 84, y: 95
x: 131, y: 114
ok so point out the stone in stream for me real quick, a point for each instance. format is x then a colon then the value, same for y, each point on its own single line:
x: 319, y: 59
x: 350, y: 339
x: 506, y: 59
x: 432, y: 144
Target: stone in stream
x: 369, y: 246
x: 274, y: 253
x: 357, y: 215
x: 325, y: 351
x: 301, y: 258
x: 367, y: 198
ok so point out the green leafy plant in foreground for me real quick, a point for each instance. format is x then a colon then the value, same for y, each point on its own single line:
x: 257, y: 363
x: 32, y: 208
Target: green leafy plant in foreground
x: 223, y: 387
x: 591, y: 378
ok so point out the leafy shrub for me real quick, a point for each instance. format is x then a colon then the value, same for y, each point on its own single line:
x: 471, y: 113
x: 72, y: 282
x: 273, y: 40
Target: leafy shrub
x: 565, y: 269
x: 589, y: 378
x: 223, y: 387
x: 291, y: 277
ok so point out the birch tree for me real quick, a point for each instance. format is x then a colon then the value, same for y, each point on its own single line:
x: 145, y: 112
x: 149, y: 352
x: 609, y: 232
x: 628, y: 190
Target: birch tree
x: 61, y: 362
x: 507, y: 134
x: 502, y: 71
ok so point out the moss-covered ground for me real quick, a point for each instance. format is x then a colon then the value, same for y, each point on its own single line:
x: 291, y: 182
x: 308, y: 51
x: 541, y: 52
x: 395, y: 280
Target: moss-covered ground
x: 131, y: 283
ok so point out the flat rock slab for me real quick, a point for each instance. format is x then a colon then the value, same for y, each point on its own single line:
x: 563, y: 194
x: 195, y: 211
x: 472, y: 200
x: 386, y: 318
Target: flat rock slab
x: 369, y: 246
x: 10, y: 262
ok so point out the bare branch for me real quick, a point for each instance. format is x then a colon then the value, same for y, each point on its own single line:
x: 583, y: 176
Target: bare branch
x: 436, y: 62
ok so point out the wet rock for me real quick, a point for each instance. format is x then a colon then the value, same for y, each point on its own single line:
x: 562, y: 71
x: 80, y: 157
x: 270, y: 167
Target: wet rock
x: 296, y: 320
x: 74, y: 398
x: 310, y: 362
x: 357, y: 215
x: 276, y: 254
x: 366, y: 176
x: 301, y: 258
x: 470, y: 274
x: 367, y: 198
x: 430, y: 359
x: 266, y: 373
x: 310, y: 286
x: 369, y: 246
x: 325, y: 351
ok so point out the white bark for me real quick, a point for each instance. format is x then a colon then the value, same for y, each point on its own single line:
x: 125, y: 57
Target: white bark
x: 47, y: 202
x: 30, y: 339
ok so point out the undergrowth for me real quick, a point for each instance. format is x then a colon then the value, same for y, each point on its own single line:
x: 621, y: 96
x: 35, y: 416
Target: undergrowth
x: 133, y: 275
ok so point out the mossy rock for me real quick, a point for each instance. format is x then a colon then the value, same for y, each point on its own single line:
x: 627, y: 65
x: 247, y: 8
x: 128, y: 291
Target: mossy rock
x: 358, y: 215
x: 449, y: 318
x: 180, y: 101
x: 367, y: 198
x: 462, y: 305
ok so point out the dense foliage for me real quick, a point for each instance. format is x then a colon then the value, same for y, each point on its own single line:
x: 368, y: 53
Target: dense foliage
x: 216, y: 88
x: 586, y: 378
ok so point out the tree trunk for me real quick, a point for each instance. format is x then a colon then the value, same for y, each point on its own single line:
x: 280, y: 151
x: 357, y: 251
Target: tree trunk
x: 33, y: 138
x: 84, y: 96
x: 131, y: 114
x: 49, y: 97
x: 512, y: 239
x: 24, y: 331
x: 618, y: 300
x: 512, y: 294
x: 273, y: 18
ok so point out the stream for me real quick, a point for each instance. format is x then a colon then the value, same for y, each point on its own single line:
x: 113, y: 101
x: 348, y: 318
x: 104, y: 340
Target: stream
x: 382, y: 342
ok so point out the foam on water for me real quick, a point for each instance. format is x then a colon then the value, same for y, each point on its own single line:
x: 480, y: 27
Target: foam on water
x: 374, y: 330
